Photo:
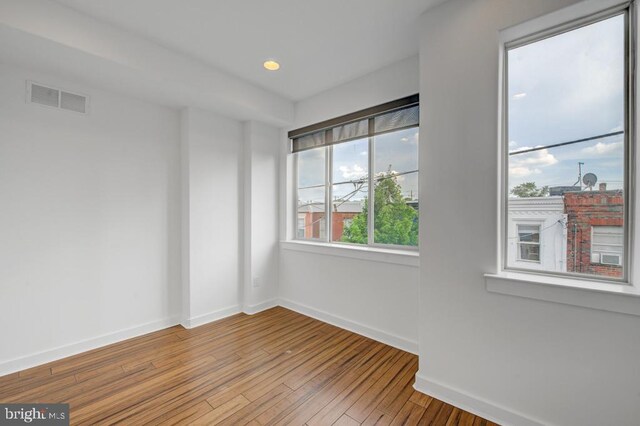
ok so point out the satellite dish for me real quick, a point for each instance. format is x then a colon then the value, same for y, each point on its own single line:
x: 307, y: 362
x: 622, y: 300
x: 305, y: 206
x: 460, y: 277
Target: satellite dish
x: 589, y: 180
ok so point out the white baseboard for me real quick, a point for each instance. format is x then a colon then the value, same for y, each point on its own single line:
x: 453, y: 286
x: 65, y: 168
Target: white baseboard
x: 472, y: 404
x: 210, y: 317
x: 22, y: 363
x: 259, y: 307
x: 386, y: 338
x: 39, y: 358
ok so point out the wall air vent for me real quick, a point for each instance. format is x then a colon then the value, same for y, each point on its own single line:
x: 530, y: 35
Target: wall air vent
x: 56, y: 98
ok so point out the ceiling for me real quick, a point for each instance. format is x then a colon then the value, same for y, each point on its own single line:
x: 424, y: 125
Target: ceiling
x: 320, y: 44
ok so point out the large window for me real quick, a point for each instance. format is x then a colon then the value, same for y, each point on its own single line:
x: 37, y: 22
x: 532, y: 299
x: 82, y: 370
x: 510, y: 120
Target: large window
x: 566, y: 144
x: 357, y: 177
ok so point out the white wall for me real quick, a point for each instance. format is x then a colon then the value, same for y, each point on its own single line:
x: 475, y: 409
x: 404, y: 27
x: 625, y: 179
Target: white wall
x: 371, y: 297
x: 261, y: 219
x: 89, y: 221
x: 212, y: 215
x: 386, y: 84
x: 552, y: 363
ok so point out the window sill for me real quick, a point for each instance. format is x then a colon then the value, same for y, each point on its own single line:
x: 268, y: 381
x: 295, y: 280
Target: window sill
x: 604, y: 296
x: 376, y: 254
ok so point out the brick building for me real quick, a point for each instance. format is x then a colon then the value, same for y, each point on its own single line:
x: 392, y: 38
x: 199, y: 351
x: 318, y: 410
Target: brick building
x: 595, y: 238
x: 311, y: 223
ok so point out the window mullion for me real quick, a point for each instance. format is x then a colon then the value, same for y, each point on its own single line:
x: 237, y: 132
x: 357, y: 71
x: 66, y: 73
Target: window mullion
x: 371, y: 183
x: 329, y: 193
x: 295, y: 199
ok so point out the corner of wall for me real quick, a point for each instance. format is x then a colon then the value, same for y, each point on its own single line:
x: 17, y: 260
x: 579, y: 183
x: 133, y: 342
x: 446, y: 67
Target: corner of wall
x: 184, y: 213
x: 471, y: 403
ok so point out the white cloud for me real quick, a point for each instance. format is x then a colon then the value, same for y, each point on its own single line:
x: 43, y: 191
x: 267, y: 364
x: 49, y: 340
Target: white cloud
x: 513, y: 144
x: 399, y: 177
x: 529, y: 164
x: 353, y: 172
x: 603, y: 148
x: 412, y: 138
x: 538, y: 158
x: 523, y: 171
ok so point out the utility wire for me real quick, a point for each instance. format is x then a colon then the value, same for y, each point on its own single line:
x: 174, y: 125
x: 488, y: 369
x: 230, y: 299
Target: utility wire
x: 361, y: 182
x: 555, y: 145
x: 559, y: 221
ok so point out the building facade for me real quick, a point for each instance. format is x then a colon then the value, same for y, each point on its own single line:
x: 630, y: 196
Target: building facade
x: 537, y: 234
x: 595, y: 237
x: 575, y: 231
x: 312, y: 221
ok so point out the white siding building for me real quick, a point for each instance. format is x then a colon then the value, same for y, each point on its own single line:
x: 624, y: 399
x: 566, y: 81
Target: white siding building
x: 537, y: 234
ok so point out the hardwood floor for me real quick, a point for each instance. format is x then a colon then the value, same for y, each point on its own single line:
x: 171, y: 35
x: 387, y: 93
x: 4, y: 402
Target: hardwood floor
x: 276, y: 367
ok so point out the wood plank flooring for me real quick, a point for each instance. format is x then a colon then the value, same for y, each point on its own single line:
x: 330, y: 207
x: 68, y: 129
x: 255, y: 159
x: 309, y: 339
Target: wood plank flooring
x: 273, y: 368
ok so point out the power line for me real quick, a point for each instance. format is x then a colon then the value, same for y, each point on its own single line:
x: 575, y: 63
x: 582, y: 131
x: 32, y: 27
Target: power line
x: 394, y: 174
x: 520, y: 235
x: 384, y: 176
x: 555, y: 145
x: 358, y: 184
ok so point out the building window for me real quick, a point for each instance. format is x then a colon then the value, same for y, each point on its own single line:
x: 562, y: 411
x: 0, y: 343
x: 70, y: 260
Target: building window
x: 565, y: 141
x: 357, y: 177
x: 300, y: 230
x: 607, y: 244
x: 529, y: 243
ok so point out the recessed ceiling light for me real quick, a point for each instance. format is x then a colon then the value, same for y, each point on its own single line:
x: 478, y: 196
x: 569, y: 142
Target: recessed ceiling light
x: 271, y: 65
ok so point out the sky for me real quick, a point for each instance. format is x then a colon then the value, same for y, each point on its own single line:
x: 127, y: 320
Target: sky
x: 568, y: 87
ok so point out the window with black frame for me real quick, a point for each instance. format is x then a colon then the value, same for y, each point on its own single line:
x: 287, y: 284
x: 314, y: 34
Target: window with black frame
x: 357, y: 177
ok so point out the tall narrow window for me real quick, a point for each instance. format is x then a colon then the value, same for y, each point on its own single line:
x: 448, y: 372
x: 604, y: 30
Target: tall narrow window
x: 371, y: 160
x: 396, y: 188
x: 311, y: 195
x: 349, y: 192
x: 566, y: 148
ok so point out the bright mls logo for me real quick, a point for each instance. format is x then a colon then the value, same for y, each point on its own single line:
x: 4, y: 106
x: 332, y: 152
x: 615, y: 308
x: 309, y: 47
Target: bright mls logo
x: 36, y: 414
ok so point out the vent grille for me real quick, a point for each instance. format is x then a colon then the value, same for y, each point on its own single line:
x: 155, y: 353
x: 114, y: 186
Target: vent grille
x: 44, y: 95
x: 56, y: 98
x: 73, y: 102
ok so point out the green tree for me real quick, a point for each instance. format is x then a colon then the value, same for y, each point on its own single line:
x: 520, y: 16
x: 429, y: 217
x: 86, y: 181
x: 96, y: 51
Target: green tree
x: 395, y: 222
x: 529, y: 189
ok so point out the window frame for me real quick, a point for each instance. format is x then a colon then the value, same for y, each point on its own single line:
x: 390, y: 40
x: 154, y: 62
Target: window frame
x: 328, y: 184
x: 628, y: 9
x: 539, y: 243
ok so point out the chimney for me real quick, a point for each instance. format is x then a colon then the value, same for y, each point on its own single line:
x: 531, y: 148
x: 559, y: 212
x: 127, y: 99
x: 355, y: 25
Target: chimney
x: 603, y: 186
